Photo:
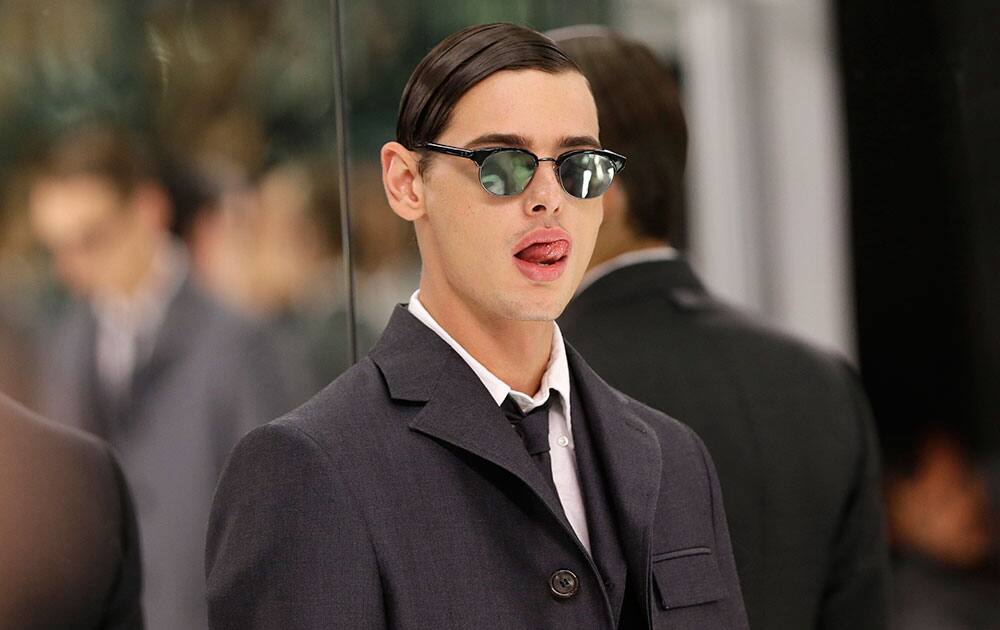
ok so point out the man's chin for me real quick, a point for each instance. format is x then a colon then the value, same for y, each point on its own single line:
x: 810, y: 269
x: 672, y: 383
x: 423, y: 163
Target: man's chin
x: 534, y: 310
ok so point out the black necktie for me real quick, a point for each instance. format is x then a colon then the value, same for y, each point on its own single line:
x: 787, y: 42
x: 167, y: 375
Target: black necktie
x: 533, y: 427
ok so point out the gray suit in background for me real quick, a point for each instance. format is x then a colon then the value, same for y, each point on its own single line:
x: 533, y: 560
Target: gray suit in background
x: 210, y: 378
x: 787, y: 425
x: 69, y: 550
x: 400, y: 497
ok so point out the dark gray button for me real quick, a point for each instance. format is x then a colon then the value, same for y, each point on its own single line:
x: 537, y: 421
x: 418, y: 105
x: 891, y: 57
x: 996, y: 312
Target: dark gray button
x: 564, y: 584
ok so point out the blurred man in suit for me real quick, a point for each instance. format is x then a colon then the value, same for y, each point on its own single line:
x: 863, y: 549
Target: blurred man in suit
x: 473, y: 472
x: 787, y: 425
x: 69, y: 549
x: 144, y: 358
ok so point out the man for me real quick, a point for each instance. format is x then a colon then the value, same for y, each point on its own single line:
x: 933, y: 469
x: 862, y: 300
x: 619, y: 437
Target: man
x: 787, y: 425
x: 473, y: 472
x: 69, y: 550
x: 143, y: 358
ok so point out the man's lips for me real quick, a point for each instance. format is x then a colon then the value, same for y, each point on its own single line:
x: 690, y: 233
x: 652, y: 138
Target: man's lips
x: 544, y: 253
x: 543, y: 247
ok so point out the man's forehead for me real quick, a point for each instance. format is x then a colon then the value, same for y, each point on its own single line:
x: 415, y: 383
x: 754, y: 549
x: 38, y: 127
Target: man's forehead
x: 520, y: 140
x: 70, y: 202
x: 526, y: 108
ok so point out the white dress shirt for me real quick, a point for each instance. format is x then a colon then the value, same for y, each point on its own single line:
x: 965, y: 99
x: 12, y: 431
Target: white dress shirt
x: 562, y: 456
x: 127, y: 326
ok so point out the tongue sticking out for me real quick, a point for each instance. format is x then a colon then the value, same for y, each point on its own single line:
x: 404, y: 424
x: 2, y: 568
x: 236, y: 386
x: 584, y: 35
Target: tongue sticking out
x: 544, y: 253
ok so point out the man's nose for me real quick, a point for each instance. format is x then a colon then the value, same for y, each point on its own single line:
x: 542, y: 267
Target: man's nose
x: 544, y: 193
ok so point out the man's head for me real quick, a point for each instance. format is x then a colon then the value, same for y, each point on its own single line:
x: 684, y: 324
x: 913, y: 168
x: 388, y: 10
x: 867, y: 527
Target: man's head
x: 97, y: 208
x: 517, y: 255
x: 640, y: 115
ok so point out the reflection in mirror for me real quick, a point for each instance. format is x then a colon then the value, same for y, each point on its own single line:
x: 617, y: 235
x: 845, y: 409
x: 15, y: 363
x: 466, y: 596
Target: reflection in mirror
x: 170, y: 255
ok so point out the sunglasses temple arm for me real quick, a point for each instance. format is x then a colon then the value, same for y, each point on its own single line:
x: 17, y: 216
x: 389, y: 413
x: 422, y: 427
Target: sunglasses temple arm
x: 447, y: 150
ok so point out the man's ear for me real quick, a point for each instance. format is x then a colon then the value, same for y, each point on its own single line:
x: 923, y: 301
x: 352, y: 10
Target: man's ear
x: 402, y: 182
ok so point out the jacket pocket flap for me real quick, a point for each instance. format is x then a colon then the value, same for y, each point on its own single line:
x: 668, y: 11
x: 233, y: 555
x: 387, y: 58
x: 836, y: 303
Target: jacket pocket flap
x: 687, y: 577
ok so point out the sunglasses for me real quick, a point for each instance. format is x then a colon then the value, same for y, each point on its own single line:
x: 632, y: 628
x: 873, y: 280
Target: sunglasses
x: 505, y: 171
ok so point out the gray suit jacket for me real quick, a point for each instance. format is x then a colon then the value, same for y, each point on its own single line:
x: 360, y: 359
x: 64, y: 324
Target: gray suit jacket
x: 210, y: 379
x: 69, y: 551
x: 399, y: 497
x: 787, y: 425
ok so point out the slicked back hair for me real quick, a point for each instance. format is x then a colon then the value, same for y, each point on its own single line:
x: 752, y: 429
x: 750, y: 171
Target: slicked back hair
x: 457, y: 64
x: 639, y: 111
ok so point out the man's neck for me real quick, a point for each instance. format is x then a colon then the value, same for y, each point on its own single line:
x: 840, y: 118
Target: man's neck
x: 517, y: 352
x: 149, y: 295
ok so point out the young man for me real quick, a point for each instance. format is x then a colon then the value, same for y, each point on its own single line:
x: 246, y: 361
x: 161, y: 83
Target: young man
x: 787, y: 425
x: 144, y: 358
x: 473, y: 472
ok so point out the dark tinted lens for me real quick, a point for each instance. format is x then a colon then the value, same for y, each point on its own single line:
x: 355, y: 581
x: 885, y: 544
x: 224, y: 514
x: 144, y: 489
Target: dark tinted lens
x: 587, y: 175
x: 507, y: 172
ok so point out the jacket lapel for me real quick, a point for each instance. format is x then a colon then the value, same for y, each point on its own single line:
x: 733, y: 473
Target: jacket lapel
x: 419, y: 366
x: 632, y: 462
x: 185, y: 313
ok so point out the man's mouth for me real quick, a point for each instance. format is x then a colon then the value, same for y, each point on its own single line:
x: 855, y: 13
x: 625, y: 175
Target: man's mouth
x: 544, y: 253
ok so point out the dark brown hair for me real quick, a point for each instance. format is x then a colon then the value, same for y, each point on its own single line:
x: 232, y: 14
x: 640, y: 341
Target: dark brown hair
x: 101, y: 150
x: 640, y: 114
x: 461, y: 61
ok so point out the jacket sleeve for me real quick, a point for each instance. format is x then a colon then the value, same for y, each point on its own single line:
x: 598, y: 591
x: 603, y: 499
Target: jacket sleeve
x: 287, y: 546
x: 735, y: 612
x: 856, y: 594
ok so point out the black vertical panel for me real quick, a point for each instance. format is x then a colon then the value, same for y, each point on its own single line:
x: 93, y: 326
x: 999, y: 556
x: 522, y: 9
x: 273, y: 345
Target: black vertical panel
x: 922, y: 120
x: 977, y: 45
x: 343, y: 169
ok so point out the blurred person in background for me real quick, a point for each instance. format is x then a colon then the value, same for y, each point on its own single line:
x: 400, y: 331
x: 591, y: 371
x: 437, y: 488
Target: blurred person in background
x: 787, y: 425
x: 297, y: 269
x: 143, y: 358
x: 215, y: 226
x: 270, y: 248
x: 942, y: 525
x: 69, y: 546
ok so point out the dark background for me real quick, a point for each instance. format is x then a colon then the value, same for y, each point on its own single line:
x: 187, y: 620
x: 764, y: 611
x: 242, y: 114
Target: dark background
x: 922, y: 98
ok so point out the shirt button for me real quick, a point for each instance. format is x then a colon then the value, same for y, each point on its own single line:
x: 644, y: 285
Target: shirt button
x: 563, y: 441
x: 564, y: 584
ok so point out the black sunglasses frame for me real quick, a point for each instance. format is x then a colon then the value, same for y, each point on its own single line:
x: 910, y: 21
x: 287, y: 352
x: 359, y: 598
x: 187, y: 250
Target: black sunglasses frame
x: 479, y: 156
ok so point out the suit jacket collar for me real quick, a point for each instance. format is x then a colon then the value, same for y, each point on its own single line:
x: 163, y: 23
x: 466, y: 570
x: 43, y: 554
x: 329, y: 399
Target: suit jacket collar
x: 418, y: 366
x: 189, y: 311
x: 674, y: 277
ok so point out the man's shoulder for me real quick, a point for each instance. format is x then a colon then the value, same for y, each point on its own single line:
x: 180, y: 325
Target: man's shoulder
x: 62, y: 476
x: 668, y: 431
x: 672, y: 434
x: 217, y: 322
x: 355, y: 403
x: 681, y: 313
x: 30, y: 437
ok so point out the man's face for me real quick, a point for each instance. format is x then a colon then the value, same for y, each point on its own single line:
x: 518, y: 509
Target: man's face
x: 95, y: 240
x: 518, y: 257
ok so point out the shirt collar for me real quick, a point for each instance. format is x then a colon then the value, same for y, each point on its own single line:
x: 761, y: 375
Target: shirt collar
x: 556, y: 372
x: 142, y: 313
x: 648, y: 254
